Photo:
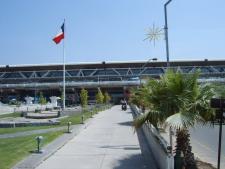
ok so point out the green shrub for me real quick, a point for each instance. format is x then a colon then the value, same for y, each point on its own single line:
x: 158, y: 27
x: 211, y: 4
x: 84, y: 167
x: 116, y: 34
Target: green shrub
x: 107, y: 98
x: 42, y: 99
x: 99, y: 97
x: 84, y: 98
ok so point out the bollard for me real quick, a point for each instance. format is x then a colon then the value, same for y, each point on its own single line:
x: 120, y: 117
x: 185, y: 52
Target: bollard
x: 59, y: 114
x: 169, y: 149
x: 91, y: 113
x: 178, y: 160
x: 27, y: 109
x: 68, y: 129
x: 39, y: 139
x: 82, y: 119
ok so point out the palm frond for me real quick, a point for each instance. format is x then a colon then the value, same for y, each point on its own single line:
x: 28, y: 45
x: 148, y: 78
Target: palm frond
x: 154, y: 117
x: 183, y: 120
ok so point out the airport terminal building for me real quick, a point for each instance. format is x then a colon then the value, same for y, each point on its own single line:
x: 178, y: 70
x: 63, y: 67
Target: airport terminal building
x: 19, y: 81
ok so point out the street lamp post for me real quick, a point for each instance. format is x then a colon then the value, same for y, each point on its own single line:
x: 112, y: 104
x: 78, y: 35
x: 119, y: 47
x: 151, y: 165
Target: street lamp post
x: 219, y: 104
x: 142, y: 68
x: 166, y: 34
x: 152, y: 59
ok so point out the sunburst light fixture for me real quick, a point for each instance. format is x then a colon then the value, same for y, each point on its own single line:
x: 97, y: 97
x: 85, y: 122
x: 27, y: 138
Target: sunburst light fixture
x: 154, y: 34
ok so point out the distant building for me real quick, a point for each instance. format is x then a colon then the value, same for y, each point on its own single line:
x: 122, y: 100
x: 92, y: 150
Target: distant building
x: 18, y: 81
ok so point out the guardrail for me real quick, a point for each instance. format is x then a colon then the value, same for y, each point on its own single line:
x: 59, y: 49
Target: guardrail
x: 158, y: 145
x: 73, y: 84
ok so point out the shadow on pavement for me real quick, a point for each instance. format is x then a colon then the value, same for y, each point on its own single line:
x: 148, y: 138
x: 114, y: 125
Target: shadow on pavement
x: 132, y: 162
x: 124, y: 147
x: 127, y: 123
x: 145, y: 149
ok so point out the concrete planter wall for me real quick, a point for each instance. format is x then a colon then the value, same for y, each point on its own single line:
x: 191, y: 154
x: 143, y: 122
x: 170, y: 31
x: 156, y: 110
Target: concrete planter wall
x: 157, y: 144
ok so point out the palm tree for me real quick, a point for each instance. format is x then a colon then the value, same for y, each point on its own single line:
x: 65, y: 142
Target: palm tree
x: 138, y: 97
x: 178, y: 101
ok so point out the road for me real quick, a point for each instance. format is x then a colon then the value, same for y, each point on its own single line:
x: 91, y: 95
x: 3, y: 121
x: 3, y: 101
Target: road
x: 204, y: 141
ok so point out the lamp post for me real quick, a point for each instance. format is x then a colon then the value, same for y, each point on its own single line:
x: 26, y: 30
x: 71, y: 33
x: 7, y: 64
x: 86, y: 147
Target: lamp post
x: 219, y: 104
x: 82, y: 119
x: 104, y: 68
x: 104, y: 64
x: 166, y: 34
x: 142, y: 68
x: 68, y: 127
x: 152, y: 59
x: 39, y: 139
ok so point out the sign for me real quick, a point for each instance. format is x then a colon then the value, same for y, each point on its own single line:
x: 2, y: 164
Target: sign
x: 216, y: 103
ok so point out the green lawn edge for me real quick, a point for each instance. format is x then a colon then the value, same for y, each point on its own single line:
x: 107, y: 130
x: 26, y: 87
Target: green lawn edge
x: 13, y: 150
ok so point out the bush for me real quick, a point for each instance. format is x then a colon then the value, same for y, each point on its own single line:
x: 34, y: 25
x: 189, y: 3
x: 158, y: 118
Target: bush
x: 99, y: 97
x: 42, y: 99
x: 23, y: 114
x: 107, y: 98
x: 48, y: 109
x: 37, y: 111
x: 58, y: 113
x: 84, y: 98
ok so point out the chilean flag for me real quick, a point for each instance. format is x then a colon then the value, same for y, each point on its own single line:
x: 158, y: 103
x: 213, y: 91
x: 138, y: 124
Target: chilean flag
x: 57, y: 39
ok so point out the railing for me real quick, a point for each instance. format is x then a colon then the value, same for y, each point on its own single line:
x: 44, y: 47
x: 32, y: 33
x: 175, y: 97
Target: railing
x: 72, y: 84
x: 110, y: 72
x: 117, y: 77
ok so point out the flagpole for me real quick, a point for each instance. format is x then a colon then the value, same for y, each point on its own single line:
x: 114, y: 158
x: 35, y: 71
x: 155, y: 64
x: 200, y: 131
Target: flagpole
x: 64, y: 71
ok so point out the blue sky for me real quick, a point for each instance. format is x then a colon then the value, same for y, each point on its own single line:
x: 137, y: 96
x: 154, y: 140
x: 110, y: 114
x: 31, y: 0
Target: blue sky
x: 109, y: 30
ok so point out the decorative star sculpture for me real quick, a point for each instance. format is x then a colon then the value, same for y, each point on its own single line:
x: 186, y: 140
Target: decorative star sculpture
x: 154, y: 34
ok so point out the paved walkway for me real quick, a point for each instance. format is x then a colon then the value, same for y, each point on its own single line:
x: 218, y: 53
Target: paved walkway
x: 35, y: 159
x: 109, y: 142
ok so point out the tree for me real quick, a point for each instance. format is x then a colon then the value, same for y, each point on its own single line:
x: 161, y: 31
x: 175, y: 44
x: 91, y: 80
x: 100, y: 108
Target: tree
x: 99, y: 97
x: 138, y: 97
x: 42, y: 99
x: 84, y: 98
x: 178, y: 101
x: 107, y: 98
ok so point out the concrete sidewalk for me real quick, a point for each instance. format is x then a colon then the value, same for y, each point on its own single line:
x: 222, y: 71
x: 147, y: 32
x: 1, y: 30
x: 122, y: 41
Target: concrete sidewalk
x: 109, y: 142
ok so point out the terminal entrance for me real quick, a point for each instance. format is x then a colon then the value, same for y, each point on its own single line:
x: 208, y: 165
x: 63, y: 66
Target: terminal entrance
x: 72, y: 95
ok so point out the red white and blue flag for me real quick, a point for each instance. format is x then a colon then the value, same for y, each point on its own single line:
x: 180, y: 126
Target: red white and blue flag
x: 57, y: 39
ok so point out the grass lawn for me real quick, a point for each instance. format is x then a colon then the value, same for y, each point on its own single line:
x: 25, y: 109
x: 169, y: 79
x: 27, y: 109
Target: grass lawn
x: 76, y: 119
x: 10, y: 115
x: 20, y: 129
x: 13, y: 150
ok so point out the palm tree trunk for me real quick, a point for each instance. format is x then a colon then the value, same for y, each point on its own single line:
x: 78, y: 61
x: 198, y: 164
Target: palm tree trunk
x: 183, y: 146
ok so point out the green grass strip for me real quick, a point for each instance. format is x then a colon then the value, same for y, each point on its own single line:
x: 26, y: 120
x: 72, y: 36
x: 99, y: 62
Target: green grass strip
x: 13, y: 150
x: 10, y: 115
x: 21, y: 129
